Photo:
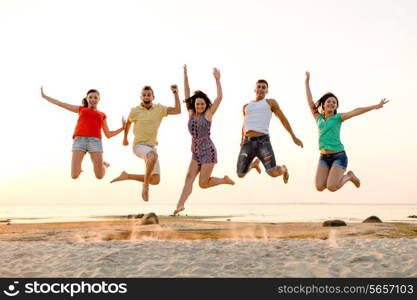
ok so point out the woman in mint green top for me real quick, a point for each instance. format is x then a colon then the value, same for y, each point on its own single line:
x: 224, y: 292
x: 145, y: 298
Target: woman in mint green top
x: 333, y: 160
x: 329, y: 132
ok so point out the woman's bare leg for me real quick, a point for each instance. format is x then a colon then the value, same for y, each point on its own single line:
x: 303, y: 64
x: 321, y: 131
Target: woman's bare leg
x: 192, y: 173
x: 206, y: 181
x: 321, y: 177
x: 355, y: 180
x: 77, y: 159
x: 100, y: 166
x: 337, y: 178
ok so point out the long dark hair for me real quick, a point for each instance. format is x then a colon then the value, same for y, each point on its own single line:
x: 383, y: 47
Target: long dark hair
x: 84, y: 101
x: 322, y: 100
x: 190, y: 102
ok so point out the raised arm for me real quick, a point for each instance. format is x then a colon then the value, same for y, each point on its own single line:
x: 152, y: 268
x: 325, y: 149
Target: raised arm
x: 310, y: 101
x: 70, y: 107
x: 186, y: 85
x: 280, y: 115
x: 219, y: 97
x: 362, y: 110
x: 177, y: 109
x: 126, y: 133
x: 109, y: 133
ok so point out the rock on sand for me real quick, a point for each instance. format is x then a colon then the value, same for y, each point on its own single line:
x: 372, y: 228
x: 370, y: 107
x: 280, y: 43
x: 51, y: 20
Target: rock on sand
x: 372, y: 219
x: 150, y: 218
x: 334, y: 223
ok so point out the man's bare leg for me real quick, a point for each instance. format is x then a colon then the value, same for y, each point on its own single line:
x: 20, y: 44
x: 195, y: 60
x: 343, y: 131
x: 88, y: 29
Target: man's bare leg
x: 278, y: 171
x: 255, y: 165
x: 151, y: 159
x: 123, y: 176
x: 155, y: 178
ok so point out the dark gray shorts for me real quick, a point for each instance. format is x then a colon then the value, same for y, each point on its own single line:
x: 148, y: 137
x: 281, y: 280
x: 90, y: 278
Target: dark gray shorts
x: 260, y: 147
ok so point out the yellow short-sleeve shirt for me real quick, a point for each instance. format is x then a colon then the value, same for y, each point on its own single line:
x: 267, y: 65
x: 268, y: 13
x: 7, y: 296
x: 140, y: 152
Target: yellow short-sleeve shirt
x: 146, y: 123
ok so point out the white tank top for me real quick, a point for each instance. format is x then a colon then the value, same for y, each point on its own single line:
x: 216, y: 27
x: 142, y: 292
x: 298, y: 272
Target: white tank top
x: 257, y: 116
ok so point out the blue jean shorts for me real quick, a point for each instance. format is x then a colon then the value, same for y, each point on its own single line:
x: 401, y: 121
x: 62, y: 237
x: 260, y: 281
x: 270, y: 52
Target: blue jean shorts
x: 87, y: 144
x: 257, y: 146
x: 339, y: 159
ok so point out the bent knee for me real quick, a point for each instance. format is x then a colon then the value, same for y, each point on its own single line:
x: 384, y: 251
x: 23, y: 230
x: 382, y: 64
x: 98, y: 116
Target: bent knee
x: 240, y: 175
x: 99, y: 176
x: 154, y: 181
x: 332, y: 188
x: 320, y: 188
x: 203, y: 184
x: 152, y: 156
x: 75, y: 176
x: 275, y: 171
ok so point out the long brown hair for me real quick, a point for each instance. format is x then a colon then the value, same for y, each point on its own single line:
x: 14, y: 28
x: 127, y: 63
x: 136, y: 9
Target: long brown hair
x: 322, y: 100
x: 190, y: 102
x: 84, y: 101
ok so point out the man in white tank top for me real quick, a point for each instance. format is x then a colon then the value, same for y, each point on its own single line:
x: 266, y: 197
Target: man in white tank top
x: 255, y: 135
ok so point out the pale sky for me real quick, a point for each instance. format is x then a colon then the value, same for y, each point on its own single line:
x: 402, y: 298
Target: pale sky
x: 360, y: 50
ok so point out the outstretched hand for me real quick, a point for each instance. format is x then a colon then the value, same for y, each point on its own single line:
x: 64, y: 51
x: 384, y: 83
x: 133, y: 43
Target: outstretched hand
x: 216, y: 73
x: 174, y: 88
x: 298, y: 142
x: 185, y: 69
x: 307, y: 76
x: 382, y: 103
x: 123, y: 122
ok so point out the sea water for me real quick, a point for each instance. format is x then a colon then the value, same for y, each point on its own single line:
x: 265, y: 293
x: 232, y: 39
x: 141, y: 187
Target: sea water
x: 245, y: 212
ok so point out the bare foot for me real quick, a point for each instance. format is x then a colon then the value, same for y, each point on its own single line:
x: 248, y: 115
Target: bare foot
x: 355, y: 180
x: 106, y: 164
x: 145, y: 192
x: 178, y: 210
x: 122, y: 176
x: 228, y: 180
x: 255, y: 165
x: 286, y: 175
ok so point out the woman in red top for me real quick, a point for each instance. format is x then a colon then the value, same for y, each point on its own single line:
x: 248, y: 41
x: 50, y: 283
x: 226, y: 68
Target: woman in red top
x: 87, y: 134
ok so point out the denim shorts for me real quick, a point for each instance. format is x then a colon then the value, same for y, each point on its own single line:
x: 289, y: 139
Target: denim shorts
x: 257, y: 146
x: 339, y: 159
x: 87, y: 144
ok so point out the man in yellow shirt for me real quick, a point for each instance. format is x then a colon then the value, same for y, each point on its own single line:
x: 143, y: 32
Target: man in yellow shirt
x: 146, y: 119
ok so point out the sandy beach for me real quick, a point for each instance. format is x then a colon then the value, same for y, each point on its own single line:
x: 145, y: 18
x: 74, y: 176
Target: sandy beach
x: 186, y: 247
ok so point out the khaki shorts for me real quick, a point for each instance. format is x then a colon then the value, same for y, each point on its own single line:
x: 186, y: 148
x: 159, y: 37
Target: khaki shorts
x: 141, y: 150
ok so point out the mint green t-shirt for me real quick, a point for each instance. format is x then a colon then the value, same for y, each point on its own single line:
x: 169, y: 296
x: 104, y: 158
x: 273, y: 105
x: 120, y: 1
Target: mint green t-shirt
x: 329, y: 133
